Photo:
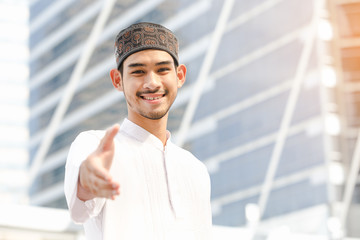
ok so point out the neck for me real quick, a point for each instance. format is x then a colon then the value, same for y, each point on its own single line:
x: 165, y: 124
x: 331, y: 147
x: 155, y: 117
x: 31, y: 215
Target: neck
x: 155, y: 127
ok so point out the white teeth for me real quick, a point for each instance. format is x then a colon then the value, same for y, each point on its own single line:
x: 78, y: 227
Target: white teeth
x: 151, y: 98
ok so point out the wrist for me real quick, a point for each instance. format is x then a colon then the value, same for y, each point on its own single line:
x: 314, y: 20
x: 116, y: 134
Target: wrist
x: 83, y: 194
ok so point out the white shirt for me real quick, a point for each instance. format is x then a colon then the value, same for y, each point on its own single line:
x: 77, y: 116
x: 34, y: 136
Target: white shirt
x: 164, y: 192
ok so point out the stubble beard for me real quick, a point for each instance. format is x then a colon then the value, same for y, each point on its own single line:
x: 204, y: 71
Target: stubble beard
x: 152, y: 115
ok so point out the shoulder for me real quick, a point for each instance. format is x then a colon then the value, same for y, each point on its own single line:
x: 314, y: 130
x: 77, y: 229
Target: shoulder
x: 86, y: 142
x: 90, y: 135
x: 83, y: 145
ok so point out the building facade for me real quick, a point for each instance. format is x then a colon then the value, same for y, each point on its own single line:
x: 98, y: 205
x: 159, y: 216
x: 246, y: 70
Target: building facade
x: 261, y: 111
x: 14, y: 94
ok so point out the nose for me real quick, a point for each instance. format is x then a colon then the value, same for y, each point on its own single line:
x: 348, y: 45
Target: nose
x: 152, y: 81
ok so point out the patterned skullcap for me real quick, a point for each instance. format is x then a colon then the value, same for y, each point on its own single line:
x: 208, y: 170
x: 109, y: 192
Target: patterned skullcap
x: 144, y: 35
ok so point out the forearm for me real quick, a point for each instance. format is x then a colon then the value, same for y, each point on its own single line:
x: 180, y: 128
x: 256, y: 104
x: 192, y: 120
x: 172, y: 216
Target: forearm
x: 82, y: 205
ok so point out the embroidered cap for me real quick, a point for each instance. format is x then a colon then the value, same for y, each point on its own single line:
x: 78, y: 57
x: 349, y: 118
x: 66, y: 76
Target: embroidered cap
x: 142, y: 36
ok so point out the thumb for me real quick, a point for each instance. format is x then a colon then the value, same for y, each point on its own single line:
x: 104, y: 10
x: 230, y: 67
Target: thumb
x: 107, y: 141
x: 106, y: 147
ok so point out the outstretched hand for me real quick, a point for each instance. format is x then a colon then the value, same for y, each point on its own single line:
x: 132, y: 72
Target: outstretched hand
x: 94, y: 177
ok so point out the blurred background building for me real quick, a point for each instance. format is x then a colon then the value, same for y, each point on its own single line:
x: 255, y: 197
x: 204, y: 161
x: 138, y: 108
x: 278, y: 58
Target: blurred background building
x: 274, y: 114
x: 14, y: 73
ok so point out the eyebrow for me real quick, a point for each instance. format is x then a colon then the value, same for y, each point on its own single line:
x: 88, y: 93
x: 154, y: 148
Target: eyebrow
x: 132, y: 65
x: 163, y: 63
x: 136, y: 65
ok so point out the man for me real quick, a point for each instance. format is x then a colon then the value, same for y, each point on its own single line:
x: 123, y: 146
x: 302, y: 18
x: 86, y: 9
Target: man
x: 132, y: 182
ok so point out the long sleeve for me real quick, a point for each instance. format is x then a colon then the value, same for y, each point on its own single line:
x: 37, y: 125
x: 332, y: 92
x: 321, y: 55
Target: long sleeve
x: 207, y: 204
x: 83, y: 145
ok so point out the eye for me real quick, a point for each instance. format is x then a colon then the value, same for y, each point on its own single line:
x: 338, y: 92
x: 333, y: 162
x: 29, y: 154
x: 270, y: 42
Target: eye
x: 137, y: 72
x: 165, y: 69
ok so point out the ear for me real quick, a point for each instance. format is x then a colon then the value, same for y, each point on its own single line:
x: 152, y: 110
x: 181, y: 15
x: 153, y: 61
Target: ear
x: 116, y: 79
x: 181, y: 75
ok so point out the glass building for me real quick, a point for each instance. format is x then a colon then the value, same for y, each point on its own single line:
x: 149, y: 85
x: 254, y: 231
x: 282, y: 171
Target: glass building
x: 267, y: 122
x: 14, y: 55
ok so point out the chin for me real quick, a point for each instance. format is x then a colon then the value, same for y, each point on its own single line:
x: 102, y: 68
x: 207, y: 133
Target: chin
x: 154, y: 115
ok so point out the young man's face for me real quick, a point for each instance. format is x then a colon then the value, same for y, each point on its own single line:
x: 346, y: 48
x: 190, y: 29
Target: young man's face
x: 150, y: 82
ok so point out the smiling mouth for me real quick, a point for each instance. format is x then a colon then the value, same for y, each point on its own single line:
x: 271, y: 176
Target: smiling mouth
x: 152, y: 95
x: 152, y: 98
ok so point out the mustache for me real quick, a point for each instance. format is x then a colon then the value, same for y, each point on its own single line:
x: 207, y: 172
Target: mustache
x: 156, y: 91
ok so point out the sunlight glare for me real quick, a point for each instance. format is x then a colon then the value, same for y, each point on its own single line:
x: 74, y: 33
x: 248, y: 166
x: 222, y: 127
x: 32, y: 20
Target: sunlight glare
x: 332, y: 124
x: 14, y: 71
x: 328, y: 76
x: 325, y: 30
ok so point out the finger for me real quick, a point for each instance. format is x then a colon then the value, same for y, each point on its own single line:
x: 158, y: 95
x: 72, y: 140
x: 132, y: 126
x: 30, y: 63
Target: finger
x: 100, y: 184
x: 106, y: 189
x: 109, y: 194
x: 107, y: 140
x: 102, y: 173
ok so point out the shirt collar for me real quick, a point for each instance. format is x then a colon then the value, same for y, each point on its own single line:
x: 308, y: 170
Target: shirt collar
x: 141, y: 135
